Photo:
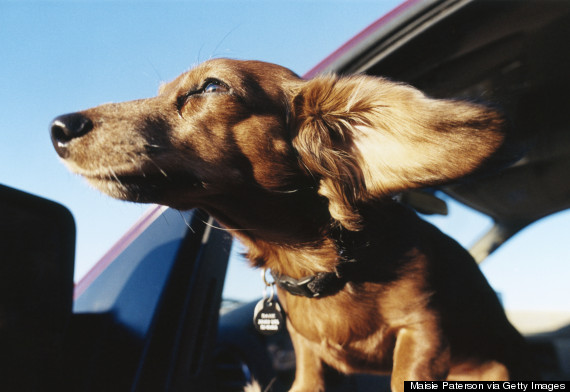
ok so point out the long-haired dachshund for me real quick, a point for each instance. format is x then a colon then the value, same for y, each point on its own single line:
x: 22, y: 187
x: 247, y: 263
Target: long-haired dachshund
x: 305, y: 172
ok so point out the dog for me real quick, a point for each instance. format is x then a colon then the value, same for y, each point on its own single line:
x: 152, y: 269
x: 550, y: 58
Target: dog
x: 304, y: 172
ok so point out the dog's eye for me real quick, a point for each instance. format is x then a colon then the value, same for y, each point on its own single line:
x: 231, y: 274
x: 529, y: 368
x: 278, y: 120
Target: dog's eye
x: 210, y: 86
x: 214, y: 87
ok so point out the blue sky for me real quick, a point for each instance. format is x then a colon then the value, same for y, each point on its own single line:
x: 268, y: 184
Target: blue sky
x: 62, y: 56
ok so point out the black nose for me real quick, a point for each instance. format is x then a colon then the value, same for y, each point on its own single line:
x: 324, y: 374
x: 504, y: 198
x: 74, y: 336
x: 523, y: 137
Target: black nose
x: 67, y: 127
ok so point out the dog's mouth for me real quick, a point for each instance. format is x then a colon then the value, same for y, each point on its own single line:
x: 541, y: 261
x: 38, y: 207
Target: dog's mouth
x: 144, y: 187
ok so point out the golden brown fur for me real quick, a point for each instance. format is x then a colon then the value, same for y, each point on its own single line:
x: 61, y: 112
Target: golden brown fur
x: 285, y: 163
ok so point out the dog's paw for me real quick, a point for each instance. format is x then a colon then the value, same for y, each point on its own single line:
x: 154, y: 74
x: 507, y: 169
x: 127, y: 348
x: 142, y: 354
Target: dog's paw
x: 253, y: 387
x: 307, y: 388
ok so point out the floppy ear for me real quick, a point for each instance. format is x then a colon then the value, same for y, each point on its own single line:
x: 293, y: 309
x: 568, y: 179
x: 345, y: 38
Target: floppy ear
x: 365, y: 137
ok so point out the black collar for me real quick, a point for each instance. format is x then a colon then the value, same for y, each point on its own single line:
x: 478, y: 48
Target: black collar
x: 357, y: 262
x: 319, y: 285
x: 324, y: 283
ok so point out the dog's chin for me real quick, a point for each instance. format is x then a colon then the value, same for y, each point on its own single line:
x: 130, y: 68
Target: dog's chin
x: 148, y: 189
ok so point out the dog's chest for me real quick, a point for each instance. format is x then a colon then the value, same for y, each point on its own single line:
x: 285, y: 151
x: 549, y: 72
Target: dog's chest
x: 372, y: 355
x: 348, y: 334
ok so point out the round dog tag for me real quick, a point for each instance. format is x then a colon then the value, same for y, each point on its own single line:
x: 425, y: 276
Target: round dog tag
x: 268, y: 317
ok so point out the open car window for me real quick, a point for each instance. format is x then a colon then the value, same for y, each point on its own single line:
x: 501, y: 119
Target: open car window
x: 461, y: 223
x: 530, y: 272
x: 243, y: 283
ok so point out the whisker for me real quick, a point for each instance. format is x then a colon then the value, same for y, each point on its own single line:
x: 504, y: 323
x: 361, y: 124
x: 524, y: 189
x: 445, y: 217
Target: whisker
x: 156, y: 165
x: 292, y: 190
x: 137, y: 163
x: 223, y: 228
x: 223, y: 39
x: 114, y: 175
x: 187, y: 223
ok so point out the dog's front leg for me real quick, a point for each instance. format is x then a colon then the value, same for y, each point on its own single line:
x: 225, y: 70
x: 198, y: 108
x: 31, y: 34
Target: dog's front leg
x: 309, y: 367
x: 421, y: 354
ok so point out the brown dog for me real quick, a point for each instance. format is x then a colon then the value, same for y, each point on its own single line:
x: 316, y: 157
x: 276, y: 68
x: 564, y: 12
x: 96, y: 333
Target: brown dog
x: 305, y: 171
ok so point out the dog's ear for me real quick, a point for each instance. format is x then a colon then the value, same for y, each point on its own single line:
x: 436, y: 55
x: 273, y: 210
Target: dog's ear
x: 364, y: 138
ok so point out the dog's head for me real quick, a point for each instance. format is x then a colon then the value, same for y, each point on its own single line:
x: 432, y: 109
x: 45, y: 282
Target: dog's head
x: 228, y: 126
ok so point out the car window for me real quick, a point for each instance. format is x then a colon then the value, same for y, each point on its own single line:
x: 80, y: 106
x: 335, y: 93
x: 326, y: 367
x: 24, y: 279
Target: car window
x: 531, y: 272
x: 462, y: 223
x: 243, y: 283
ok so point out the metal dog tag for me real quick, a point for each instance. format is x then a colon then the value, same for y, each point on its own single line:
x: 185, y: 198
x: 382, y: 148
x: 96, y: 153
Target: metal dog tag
x: 268, y: 317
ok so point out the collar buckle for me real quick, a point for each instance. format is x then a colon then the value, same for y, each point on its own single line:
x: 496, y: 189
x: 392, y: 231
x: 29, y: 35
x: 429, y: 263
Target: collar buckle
x: 294, y: 286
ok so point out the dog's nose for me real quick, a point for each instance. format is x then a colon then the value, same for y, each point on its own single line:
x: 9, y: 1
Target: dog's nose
x: 67, y: 127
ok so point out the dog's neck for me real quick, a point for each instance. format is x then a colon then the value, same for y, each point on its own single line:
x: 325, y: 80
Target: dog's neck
x: 281, y: 219
x: 299, y: 238
x: 374, y: 253
x: 287, y: 232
